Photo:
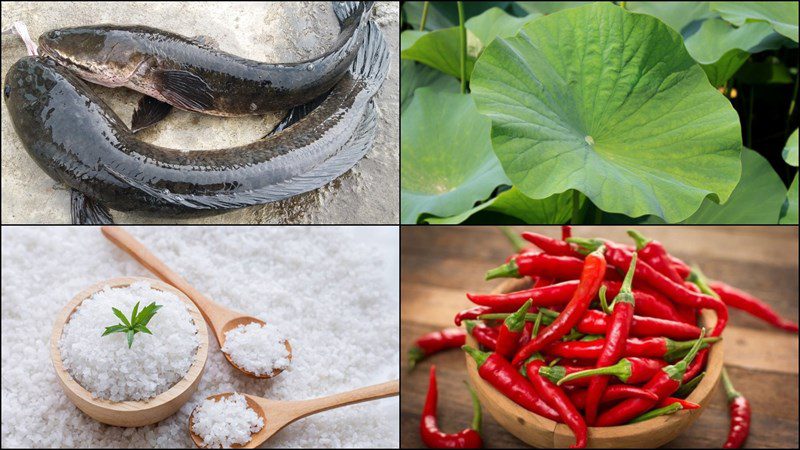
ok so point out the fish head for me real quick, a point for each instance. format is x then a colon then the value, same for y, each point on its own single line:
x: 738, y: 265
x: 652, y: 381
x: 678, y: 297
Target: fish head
x: 99, y: 54
x: 30, y: 80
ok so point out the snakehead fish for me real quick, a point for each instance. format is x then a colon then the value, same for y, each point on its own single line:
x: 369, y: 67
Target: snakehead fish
x: 191, y: 75
x: 81, y: 142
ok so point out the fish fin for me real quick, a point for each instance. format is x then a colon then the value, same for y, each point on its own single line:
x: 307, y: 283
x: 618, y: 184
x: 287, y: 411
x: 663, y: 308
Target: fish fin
x: 87, y: 211
x: 184, y: 89
x: 372, y: 61
x: 148, y: 112
x: 295, y: 114
x: 323, y: 173
x: 347, y: 11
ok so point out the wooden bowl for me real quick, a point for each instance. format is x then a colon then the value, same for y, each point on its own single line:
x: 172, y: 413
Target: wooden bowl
x: 130, y: 413
x: 541, y: 432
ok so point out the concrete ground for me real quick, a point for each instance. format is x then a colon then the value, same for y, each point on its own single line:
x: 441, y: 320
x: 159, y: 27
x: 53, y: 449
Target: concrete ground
x: 264, y: 31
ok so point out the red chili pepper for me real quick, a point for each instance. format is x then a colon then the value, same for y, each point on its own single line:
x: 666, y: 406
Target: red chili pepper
x: 472, y: 313
x: 630, y: 370
x: 740, y: 414
x: 511, y: 331
x: 542, y: 282
x: 566, y: 232
x: 555, y: 373
x: 621, y: 258
x: 591, y: 277
x: 750, y: 304
x: 556, y: 398
x: 549, y: 245
x: 556, y: 294
x: 525, y: 337
x: 663, y: 384
x: 648, y: 303
x: 653, y: 252
x: 505, y: 378
x: 596, y: 322
x: 486, y: 336
x: 434, y: 342
x: 612, y: 393
x: 429, y: 430
x: 616, y: 338
x: 652, y: 347
x: 684, y: 403
x: 697, y: 365
x: 558, y: 267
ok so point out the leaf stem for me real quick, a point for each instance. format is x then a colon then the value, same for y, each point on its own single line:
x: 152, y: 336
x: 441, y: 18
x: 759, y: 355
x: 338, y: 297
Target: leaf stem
x: 424, y: 16
x: 463, y: 44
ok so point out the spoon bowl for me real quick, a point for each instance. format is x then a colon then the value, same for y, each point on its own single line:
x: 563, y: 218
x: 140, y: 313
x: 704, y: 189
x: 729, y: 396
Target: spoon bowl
x: 244, y: 321
x: 276, y: 414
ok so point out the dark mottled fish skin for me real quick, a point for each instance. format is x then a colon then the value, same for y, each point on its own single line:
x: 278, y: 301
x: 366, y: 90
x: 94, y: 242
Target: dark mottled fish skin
x: 190, y: 75
x: 79, y: 141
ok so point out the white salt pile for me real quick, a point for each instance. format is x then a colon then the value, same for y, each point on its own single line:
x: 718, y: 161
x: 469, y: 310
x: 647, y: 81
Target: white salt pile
x: 257, y: 348
x: 106, y: 367
x: 226, y: 422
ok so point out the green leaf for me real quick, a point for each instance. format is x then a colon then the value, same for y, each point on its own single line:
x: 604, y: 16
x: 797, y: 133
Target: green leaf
x: 115, y: 329
x: 789, y: 210
x: 439, y: 49
x: 121, y: 316
x: 133, y: 314
x: 496, y: 22
x: 757, y: 198
x: 142, y: 328
x: 629, y: 120
x: 446, y: 155
x: 414, y: 75
x: 551, y: 210
x: 782, y: 16
x: 677, y: 15
x: 549, y: 7
x: 790, y: 150
x: 147, y: 313
x: 718, y: 46
x: 130, y: 334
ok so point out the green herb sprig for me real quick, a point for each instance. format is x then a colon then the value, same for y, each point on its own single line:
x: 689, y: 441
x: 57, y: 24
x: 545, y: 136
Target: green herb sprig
x: 138, y: 322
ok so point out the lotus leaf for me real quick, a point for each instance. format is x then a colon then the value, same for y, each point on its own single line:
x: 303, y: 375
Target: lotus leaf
x: 439, y: 177
x: 782, y: 16
x: 789, y: 211
x: 513, y: 203
x: 609, y: 103
x: 438, y: 49
x: 790, y: 150
x: 414, y: 75
x: 496, y: 22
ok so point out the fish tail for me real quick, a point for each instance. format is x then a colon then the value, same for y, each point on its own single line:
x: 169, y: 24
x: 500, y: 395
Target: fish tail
x: 87, y: 211
x: 372, y: 61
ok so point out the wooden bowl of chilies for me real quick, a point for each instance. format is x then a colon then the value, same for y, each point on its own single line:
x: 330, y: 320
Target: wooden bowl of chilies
x: 542, y: 432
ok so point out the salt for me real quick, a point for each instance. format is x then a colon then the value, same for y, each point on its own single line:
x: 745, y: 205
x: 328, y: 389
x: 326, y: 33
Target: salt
x: 106, y: 367
x: 226, y: 422
x: 257, y: 348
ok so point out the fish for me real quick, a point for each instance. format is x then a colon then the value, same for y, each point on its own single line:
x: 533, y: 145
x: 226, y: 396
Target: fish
x: 80, y: 142
x: 195, y: 76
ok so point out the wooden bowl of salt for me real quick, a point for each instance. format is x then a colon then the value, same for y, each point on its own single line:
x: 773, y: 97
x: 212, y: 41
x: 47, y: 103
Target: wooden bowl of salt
x: 125, y: 412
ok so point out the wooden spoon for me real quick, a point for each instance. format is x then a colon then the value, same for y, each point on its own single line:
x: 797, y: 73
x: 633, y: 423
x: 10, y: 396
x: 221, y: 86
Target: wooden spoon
x: 277, y: 414
x: 220, y: 318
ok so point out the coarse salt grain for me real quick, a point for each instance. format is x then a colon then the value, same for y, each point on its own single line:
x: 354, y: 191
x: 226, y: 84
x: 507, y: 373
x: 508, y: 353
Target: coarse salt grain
x: 257, y: 348
x: 227, y: 421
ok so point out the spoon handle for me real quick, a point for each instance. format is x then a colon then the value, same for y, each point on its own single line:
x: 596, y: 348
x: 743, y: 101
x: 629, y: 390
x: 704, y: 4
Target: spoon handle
x: 374, y: 392
x: 145, y: 257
